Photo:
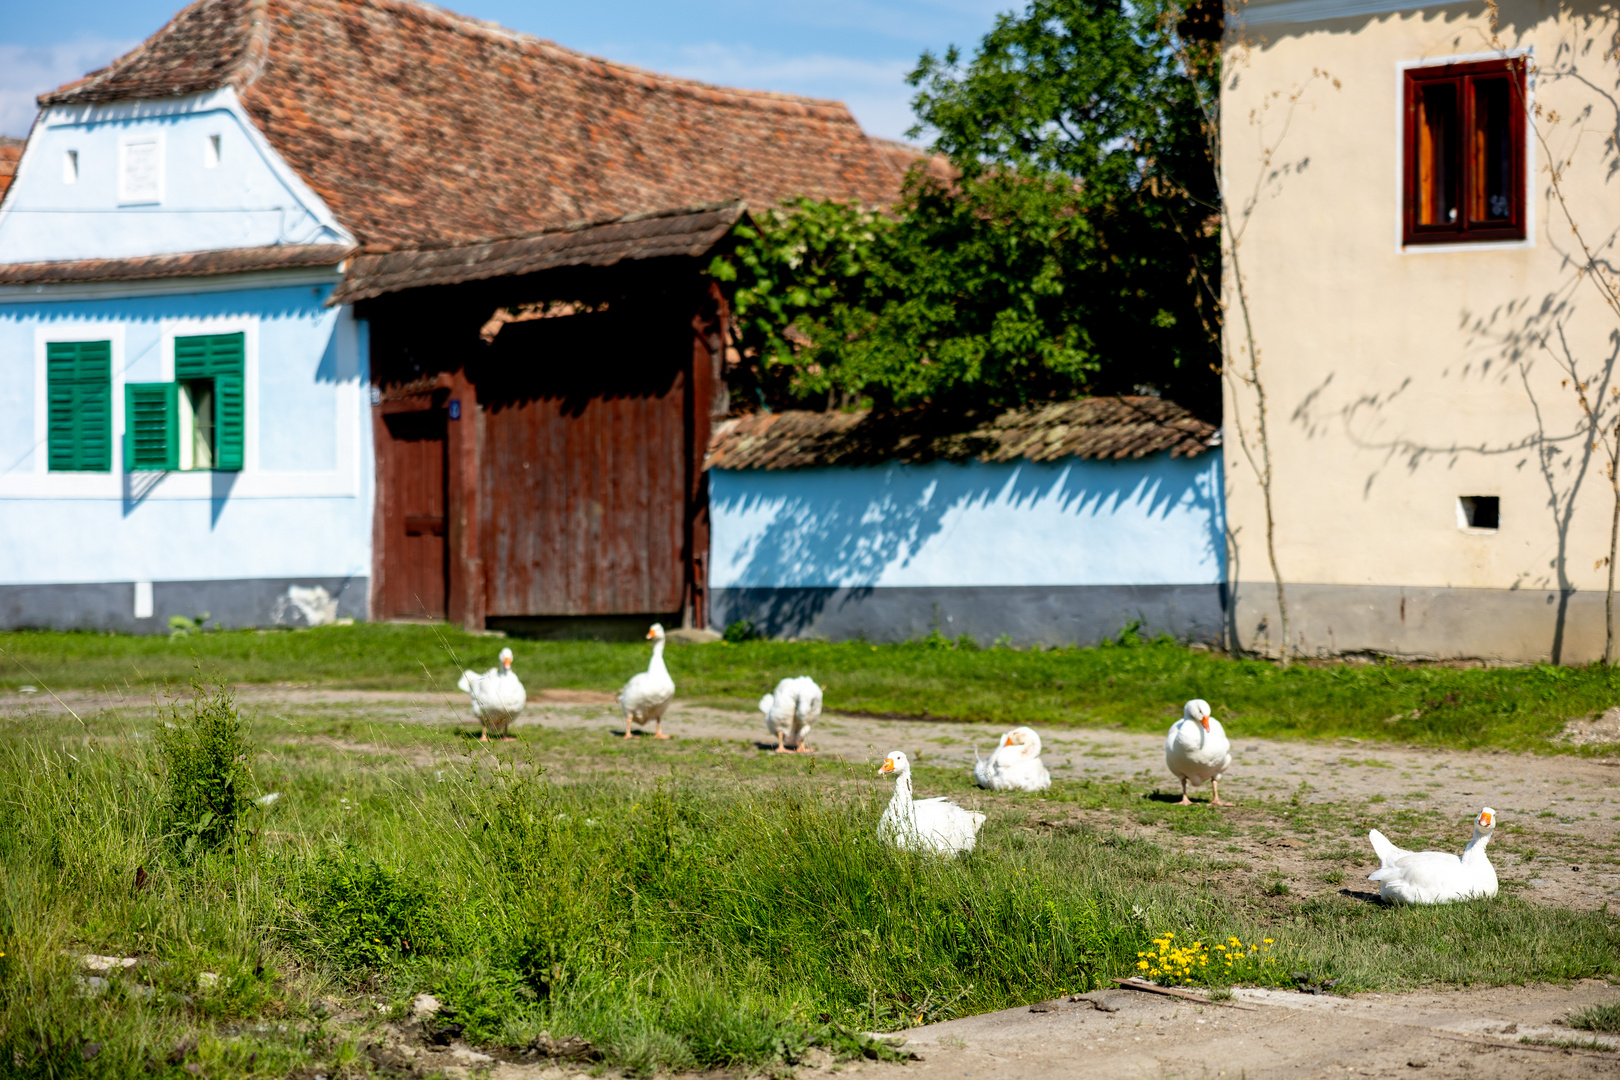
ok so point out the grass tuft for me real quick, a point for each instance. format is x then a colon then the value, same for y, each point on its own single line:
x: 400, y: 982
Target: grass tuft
x: 1605, y: 1018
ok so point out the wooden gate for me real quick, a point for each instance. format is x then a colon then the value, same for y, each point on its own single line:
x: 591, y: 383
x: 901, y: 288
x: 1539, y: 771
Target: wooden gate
x: 586, y: 464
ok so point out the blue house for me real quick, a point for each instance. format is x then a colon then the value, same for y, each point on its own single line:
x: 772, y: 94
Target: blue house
x: 1057, y: 524
x: 294, y: 300
x: 189, y: 427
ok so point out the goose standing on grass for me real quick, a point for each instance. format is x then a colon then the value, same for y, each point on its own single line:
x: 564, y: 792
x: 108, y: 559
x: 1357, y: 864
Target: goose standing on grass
x: 937, y: 825
x: 648, y: 693
x: 1434, y: 877
x: 1197, y: 751
x: 790, y: 711
x: 1014, y: 765
x: 497, y: 696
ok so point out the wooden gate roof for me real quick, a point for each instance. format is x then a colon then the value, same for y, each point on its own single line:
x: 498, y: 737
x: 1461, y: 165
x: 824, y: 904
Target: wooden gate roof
x: 423, y: 129
x: 1111, y: 428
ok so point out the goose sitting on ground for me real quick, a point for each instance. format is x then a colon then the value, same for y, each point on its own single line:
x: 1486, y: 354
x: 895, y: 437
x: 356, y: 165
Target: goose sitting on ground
x: 497, y: 696
x: 1014, y: 765
x: 790, y: 711
x: 1434, y: 877
x: 648, y: 693
x: 937, y: 825
x: 1197, y: 751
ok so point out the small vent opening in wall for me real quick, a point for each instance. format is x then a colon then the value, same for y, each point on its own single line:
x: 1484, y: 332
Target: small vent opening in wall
x: 1479, y: 511
x: 70, y: 167
x: 211, y: 152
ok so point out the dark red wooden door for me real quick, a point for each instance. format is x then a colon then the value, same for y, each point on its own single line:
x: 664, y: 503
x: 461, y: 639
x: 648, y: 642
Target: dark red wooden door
x: 585, y: 465
x: 413, y: 472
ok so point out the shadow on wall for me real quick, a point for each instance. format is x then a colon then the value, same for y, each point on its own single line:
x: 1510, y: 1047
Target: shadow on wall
x: 815, y: 537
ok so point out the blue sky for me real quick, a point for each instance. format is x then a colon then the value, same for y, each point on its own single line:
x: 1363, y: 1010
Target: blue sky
x: 857, y: 51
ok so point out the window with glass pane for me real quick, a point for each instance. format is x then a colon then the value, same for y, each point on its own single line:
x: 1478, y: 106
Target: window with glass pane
x: 1465, y: 152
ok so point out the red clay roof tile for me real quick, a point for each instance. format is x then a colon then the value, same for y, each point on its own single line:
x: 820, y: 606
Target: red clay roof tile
x: 1106, y: 428
x: 421, y: 128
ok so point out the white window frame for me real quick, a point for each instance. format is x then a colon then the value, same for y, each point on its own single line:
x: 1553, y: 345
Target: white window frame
x: 248, y: 327
x: 1401, y: 68
x: 125, y: 196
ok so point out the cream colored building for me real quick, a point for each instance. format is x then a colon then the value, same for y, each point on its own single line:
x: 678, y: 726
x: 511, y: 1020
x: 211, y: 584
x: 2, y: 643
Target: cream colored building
x: 1422, y: 319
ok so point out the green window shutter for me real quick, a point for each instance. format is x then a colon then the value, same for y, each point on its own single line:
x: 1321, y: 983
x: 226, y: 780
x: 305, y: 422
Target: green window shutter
x: 151, y: 426
x: 218, y: 357
x: 78, y: 381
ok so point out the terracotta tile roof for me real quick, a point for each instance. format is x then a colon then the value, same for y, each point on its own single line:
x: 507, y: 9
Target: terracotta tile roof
x: 421, y: 128
x: 187, y: 264
x: 10, y: 153
x: 638, y: 236
x: 1105, y: 428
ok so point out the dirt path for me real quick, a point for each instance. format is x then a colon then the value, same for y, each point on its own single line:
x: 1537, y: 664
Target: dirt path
x: 1502, y: 1034
x: 1270, y: 1034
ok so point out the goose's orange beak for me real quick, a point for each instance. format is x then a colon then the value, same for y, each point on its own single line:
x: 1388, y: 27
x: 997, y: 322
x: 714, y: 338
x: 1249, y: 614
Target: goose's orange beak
x: 1485, y: 819
x: 888, y: 766
x: 1205, y: 722
x: 651, y: 635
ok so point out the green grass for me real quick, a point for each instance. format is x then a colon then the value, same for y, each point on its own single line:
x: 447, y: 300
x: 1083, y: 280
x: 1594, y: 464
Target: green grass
x: 1134, y: 686
x: 709, y: 915
x: 1604, y: 1018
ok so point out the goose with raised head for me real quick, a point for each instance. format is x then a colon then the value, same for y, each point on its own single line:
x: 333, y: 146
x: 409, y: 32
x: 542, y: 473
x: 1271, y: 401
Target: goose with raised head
x: 789, y: 712
x: 1014, y: 765
x: 937, y: 825
x: 497, y: 696
x: 1436, y: 877
x: 648, y: 693
x: 1198, y: 751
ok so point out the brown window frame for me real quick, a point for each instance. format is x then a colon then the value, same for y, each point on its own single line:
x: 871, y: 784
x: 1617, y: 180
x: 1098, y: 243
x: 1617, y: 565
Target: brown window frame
x: 1469, y: 183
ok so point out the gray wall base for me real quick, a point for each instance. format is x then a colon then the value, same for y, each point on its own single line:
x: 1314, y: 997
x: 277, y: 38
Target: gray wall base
x: 1056, y: 615
x: 253, y: 602
x: 1510, y: 625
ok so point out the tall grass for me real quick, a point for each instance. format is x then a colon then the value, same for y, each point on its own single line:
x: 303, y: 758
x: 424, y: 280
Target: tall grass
x: 673, y: 924
x: 1128, y: 683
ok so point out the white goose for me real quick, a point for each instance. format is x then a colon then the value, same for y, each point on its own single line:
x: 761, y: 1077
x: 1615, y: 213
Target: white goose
x: 789, y: 712
x: 497, y: 696
x: 1434, y: 877
x: 1014, y: 765
x: 1197, y: 751
x: 937, y: 825
x: 648, y: 693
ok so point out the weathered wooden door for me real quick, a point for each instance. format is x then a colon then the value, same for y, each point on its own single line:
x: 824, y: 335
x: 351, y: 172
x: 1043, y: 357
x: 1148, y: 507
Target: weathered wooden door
x: 586, y: 465
x: 411, y: 470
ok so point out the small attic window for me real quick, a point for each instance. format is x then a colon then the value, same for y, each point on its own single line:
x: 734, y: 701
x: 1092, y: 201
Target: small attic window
x: 1479, y: 512
x: 70, y: 167
x: 211, y: 153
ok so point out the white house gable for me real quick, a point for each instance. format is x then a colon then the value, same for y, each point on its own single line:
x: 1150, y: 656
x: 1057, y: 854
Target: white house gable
x: 136, y: 178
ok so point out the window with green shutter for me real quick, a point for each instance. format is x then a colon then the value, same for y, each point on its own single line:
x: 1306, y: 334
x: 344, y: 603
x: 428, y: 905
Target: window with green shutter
x: 151, y: 427
x: 78, y: 389
x: 211, y: 406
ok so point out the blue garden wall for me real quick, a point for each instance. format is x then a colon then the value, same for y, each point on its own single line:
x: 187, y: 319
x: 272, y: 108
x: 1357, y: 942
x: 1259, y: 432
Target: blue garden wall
x: 1039, y: 552
x: 73, y: 545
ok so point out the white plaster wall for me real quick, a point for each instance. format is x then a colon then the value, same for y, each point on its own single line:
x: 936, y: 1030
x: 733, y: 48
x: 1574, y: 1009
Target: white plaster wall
x: 249, y: 199
x: 1150, y: 522
x: 302, y: 505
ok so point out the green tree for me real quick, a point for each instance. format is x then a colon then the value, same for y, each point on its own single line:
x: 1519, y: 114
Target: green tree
x: 1072, y: 249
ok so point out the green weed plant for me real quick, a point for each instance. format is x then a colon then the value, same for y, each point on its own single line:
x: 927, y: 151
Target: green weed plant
x: 206, y: 758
